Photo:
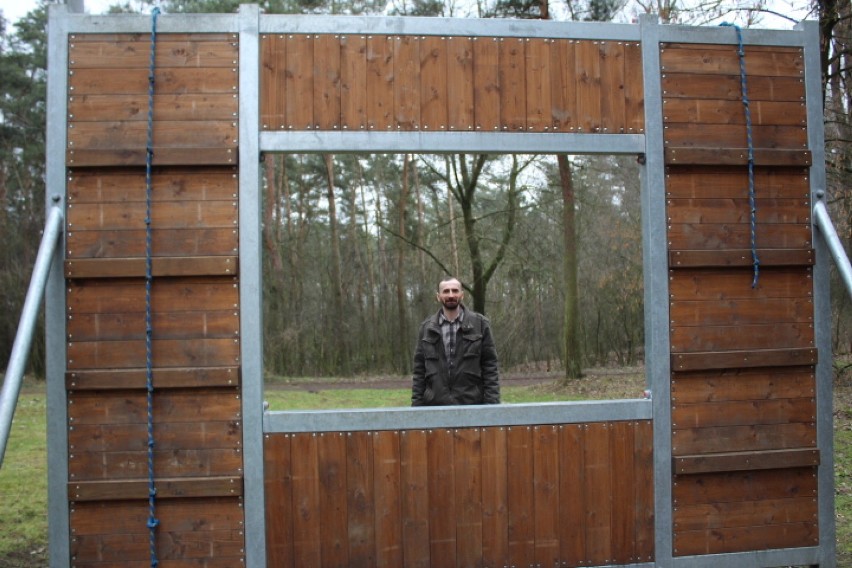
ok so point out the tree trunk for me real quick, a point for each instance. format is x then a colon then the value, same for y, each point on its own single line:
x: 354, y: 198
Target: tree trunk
x: 571, y: 325
x: 340, y: 356
x: 402, y: 348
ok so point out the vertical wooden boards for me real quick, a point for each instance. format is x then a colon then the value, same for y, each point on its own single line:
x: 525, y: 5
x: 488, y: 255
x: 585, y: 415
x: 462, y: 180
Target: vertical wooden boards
x: 525, y: 495
x: 435, y: 83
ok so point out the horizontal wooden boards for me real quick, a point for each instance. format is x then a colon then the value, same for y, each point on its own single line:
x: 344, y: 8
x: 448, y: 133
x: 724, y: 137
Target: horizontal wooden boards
x: 111, y: 379
x: 746, y: 461
x: 441, y: 83
x: 744, y: 511
x: 578, y: 494
x: 195, y: 102
x: 192, y: 532
x: 173, y: 488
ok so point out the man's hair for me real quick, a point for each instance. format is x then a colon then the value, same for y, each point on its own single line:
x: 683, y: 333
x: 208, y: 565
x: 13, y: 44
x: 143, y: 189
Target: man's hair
x: 449, y: 279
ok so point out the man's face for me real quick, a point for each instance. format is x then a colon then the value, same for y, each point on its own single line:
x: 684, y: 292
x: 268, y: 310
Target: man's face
x: 450, y: 294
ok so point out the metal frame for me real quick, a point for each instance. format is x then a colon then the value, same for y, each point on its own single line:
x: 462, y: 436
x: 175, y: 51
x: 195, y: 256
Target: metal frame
x: 249, y: 24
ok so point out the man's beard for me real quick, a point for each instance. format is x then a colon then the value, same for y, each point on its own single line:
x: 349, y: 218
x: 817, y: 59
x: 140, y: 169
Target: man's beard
x: 450, y: 304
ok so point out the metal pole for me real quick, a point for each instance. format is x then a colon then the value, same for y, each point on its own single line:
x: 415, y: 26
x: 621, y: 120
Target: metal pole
x: 26, y: 326
x: 823, y: 221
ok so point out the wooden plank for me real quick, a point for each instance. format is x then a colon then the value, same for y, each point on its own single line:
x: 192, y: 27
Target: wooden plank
x: 116, y: 549
x: 742, y: 539
x: 132, y: 135
x: 743, y: 384
x: 83, y: 466
x: 307, y: 529
x: 176, y: 488
x: 546, y: 495
x: 735, y: 136
x: 165, y: 242
x: 720, y: 111
x: 538, y: 88
x: 146, y: 36
x: 299, y: 92
x: 563, y: 85
x: 387, y: 497
x: 172, y: 406
x: 164, y: 215
x: 380, y: 79
x: 634, y: 88
x: 169, y: 53
x: 163, y: 378
x: 623, y: 492
x: 746, y: 461
x: 210, y: 434
x: 327, y: 82
x: 460, y: 83
x: 353, y: 82
x: 740, y: 257
x: 174, y: 325
x: 722, y: 182
x: 719, y: 285
x: 737, y: 210
x: 743, y: 359
x: 738, y: 236
x: 511, y: 73
x: 406, y: 83
x: 434, y: 83
x: 163, y: 156
x: 415, y: 498
x: 166, y: 353
x: 521, y: 499
x: 273, y: 64
x: 742, y: 412
x: 278, y: 498
x: 745, y: 514
x: 598, y: 491
x: 135, y: 81
x: 643, y: 476
x: 613, y: 115
x: 486, y: 84
x: 781, y: 335
x: 588, y: 78
x: 495, y: 536
x: 334, y: 537
x: 746, y: 438
x: 729, y: 87
x: 442, y: 497
x: 724, y: 60
x: 745, y: 311
x: 137, y: 267
x: 188, y: 107
x: 128, y: 296
x: 468, y: 506
x: 167, y: 184
x: 738, y: 486
x: 360, y: 504
x: 572, y: 496
x: 737, y: 156
x: 181, y: 563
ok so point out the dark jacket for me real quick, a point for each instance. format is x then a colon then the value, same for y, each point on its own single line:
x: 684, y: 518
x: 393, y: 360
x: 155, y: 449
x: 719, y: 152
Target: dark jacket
x: 473, y: 376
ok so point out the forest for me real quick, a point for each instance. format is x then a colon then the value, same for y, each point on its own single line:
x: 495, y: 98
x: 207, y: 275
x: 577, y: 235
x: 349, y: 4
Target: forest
x: 549, y: 247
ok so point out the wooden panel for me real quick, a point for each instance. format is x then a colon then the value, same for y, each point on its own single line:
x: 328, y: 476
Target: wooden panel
x: 434, y: 82
x: 588, y: 78
x: 128, y: 296
x: 211, y: 434
x: 743, y: 359
x: 137, y: 267
x: 169, y: 325
x: 598, y: 490
x: 546, y: 495
x: 621, y: 459
x: 442, y: 496
x: 740, y: 258
x: 729, y: 87
x: 745, y: 311
x: 164, y: 215
x: 643, y: 479
x: 676, y: 156
x: 353, y: 86
x: 170, y: 156
x: 167, y: 184
x: 116, y: 549
x: 724, y: 60
x: 326, y: 82
x: 734, y: 136
x: 563, y: 85
x: 742, y: 412
x: 185, y: 107
x: 520, y: 495
x: 331, y: 457
x: 738, y: 236
x: 732, y: 182
x: 743, y: 438
x: 379, y: 82
x: 746, y: 461
x: 129, y: 52
x: 538, y: 87
x: 742, y: 337
x: 117, y: 517
x: 174, y: 463
x: 737, y: 210
x: 486, y: 86
x: 167, y: 135
x: 386, y: 469
x: 415, y: 498
x: 711, y: 111
x: 572, y: 494
x: 166, y: 353
x: 172, y: 406
x: 722, y: 285
x: 135, y: 81
x: 743, y: 384
x: 612, y: 87
x: 739, y: 539
x: 467, y: 456
x: 165, y: 242
x: 746, y: 514
x: 495, y: 483
x: 460, y: 83
x: 634, y: 91
x: 744, y: 486
x: 511, y: 73
x: 278, y: 497
x: 406, y: 82
x: 361, y: 503
x: 273, y: 107
x: 299, y: 82
x: 166, y: 489
x: 163, y: 378
x: 307, y: 547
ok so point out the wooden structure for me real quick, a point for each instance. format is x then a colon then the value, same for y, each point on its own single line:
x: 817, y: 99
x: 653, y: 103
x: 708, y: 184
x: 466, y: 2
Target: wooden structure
x: 729, y: 463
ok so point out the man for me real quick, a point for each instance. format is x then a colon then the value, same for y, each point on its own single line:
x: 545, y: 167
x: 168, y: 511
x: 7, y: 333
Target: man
x: 455, y: 361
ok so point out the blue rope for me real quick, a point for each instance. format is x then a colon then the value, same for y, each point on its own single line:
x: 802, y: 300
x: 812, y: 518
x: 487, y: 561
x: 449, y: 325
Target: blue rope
x: 751, y: 193
x: 153, y: 522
